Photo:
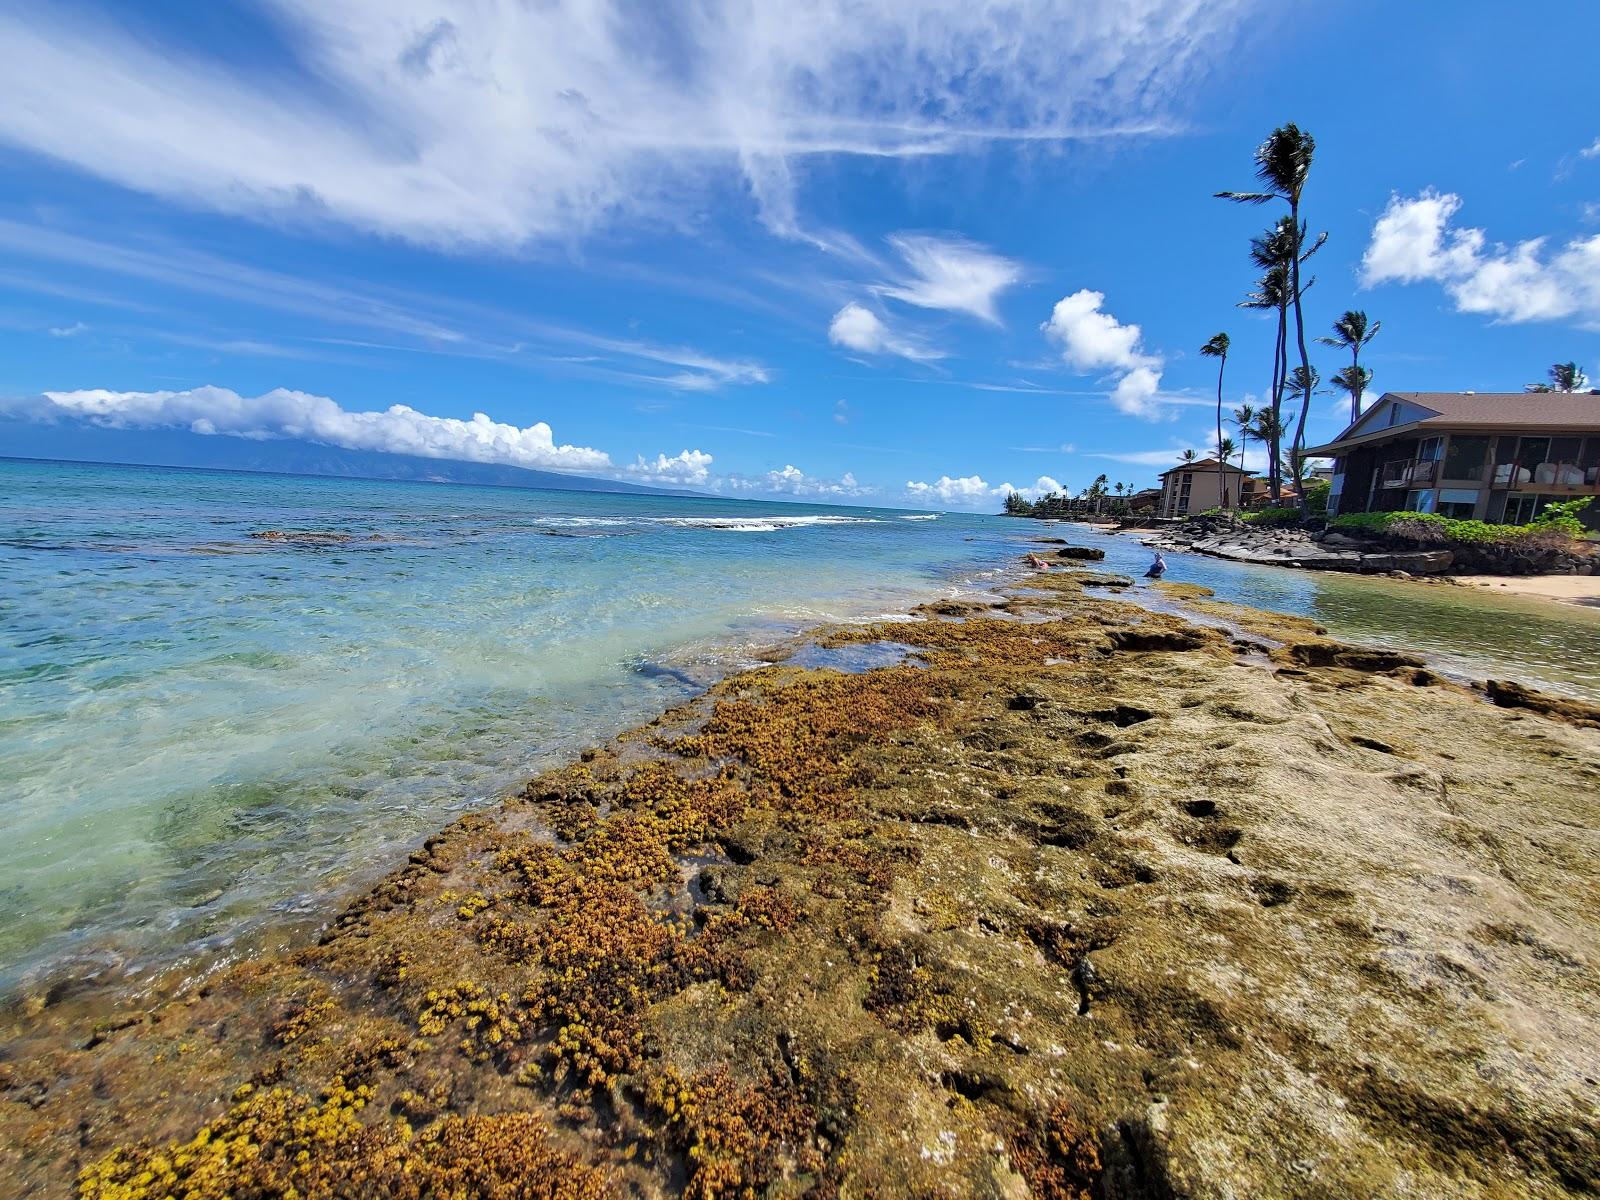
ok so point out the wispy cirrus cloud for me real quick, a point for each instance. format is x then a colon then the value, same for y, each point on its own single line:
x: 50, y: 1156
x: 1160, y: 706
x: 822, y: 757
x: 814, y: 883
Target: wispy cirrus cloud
x: 411, y: 323
x: 500, y: 124
x: 951, y: 274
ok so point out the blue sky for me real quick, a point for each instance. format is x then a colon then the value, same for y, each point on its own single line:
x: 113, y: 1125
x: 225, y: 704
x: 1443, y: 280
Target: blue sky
x: 874, y: 253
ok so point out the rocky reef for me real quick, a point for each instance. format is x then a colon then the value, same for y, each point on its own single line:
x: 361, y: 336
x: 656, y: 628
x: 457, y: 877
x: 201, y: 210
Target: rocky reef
x: 1079, y: 900
x: 1324, y: 549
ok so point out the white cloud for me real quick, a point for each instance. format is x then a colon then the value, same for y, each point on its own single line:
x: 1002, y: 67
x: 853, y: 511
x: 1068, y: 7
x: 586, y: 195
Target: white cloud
x: 790, y: 480
x: 504, y: 123
x: 685, y: 467
x: 972, y: 491
x: 1413, y: 241
x: 1592, y: 150
x: 66, y: 331
x: 432, y: 323
x: 841, y: 413
x: 951, y: 274
x: 1092, y: 339
x: 282, y: 413
x: 856, y: 327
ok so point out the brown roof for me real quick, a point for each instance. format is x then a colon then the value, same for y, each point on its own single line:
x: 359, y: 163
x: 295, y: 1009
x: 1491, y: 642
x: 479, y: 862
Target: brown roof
x: 1555, y: 409
x: 1578, y: 411
x: 1201, y: 464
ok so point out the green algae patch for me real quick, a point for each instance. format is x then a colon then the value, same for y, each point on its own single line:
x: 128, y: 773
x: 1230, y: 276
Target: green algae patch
x: 1083, y: 906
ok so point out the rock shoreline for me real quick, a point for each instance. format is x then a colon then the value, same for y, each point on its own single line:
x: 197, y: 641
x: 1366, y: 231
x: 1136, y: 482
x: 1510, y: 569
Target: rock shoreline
x: 1080, y: 901
x: 1331, y: 550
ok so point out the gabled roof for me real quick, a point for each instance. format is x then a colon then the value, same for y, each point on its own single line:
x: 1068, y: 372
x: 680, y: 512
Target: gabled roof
x: 1433, y: 411
x: 1202, y: 464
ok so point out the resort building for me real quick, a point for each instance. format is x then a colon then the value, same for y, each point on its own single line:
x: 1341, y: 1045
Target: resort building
x: 1194, y: 487
x: 1491, y: 456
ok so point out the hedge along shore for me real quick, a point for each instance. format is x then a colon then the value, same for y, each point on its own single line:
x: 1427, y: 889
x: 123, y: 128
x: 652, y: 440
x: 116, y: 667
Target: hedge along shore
x: 1094, y: 901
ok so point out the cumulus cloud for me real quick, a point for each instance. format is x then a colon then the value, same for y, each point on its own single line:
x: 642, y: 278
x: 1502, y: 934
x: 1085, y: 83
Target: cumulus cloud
x: 972, y: 491
x: 684, y: 467
x: 1592, y: 150
x: 856, y: 327
x: 67, y: 331
x: 790, y: 480
x: 1414, y: 241
x: 502, y: 123
x: 282, y: 413
x: 951, y: 274
x: 1092, y: 340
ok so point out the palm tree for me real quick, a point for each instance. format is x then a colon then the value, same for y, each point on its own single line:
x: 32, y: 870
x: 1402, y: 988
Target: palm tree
x: 1226, y: 449
x: 1564, y: 377
x: 1268, y: 430
x: 1274, y: 251
x: 1098, y: 491
x: 1283, y: 162
x: 1302, y: 386
x: 1352, y: 332
x: 1187, y: 457
x: 1242, y: 417
x: 1217, y: 348
x: 1353, y: 379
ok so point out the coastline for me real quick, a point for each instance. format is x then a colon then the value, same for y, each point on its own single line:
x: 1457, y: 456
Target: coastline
x: 1086, y: 896
x: 1583, y: 590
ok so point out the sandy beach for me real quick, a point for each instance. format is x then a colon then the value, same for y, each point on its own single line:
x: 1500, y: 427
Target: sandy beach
x: 1566, y: 589
x: 1082, y: 900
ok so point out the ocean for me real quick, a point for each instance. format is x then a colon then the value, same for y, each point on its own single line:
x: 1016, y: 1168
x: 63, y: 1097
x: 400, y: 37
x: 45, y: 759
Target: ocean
x: 207, y: 736
x: 202, y: 730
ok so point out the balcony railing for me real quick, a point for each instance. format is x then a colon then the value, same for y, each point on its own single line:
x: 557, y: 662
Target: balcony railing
x: 1557, y: 476
x: 1408, y: 472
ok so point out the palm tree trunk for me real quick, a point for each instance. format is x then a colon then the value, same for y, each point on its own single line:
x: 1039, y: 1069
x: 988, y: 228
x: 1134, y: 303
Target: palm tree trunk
x: 1355, y: 393
x: 1222, y: 483
x: 1280, y: 364
x: 1305, y: 359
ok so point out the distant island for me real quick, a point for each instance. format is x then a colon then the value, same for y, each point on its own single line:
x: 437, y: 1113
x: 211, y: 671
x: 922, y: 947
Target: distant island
x: 179, y: 448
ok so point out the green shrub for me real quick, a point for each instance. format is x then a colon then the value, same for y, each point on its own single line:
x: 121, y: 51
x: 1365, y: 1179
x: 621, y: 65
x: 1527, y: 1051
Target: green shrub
x: 1317, y: 495
x: 1273, y: 516
x: 1431, y: 527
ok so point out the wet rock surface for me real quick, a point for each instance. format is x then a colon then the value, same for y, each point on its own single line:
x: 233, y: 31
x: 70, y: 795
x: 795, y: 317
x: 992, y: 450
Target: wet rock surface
x: 1084, y: 905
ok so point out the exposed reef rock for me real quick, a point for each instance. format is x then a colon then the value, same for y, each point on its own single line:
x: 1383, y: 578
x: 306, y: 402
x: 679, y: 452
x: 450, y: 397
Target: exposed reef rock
x: 1088, y: 904
x: 1087, y: 553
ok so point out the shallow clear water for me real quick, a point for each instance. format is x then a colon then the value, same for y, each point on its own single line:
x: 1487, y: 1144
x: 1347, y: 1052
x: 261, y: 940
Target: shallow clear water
x: 202, y: 733
x: 1467, y: 632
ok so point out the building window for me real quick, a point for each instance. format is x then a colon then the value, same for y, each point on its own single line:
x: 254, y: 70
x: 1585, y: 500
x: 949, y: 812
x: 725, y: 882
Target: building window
x: 1394, y: 414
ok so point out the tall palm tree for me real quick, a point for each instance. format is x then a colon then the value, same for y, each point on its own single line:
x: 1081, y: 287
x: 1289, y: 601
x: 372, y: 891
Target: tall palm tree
x: 1353, y: 379
x: 1303, y: 383
x: 1274, y: 251
x: 1243, y: 416
x: 1217, y: 348
x: 1352, y: 332
x: 1187, y: 457
x: 1283, y: 163
x: 1226, y: 449
x: 1564, y: 377
x: 1268, y: 430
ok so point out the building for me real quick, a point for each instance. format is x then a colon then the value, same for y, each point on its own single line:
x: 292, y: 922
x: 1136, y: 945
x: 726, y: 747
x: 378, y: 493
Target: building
x: 1493, y: 456
x: 1256, y: 492
x: 1193, y: 487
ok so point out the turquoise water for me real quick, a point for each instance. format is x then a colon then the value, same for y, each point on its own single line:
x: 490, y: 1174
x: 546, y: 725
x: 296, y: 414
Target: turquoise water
x: 203, y: 734
x: 199, y: 728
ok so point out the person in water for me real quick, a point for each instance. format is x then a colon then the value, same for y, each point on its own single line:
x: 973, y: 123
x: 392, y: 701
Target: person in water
x: 1157, y: 568
x: 1037, y: 563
